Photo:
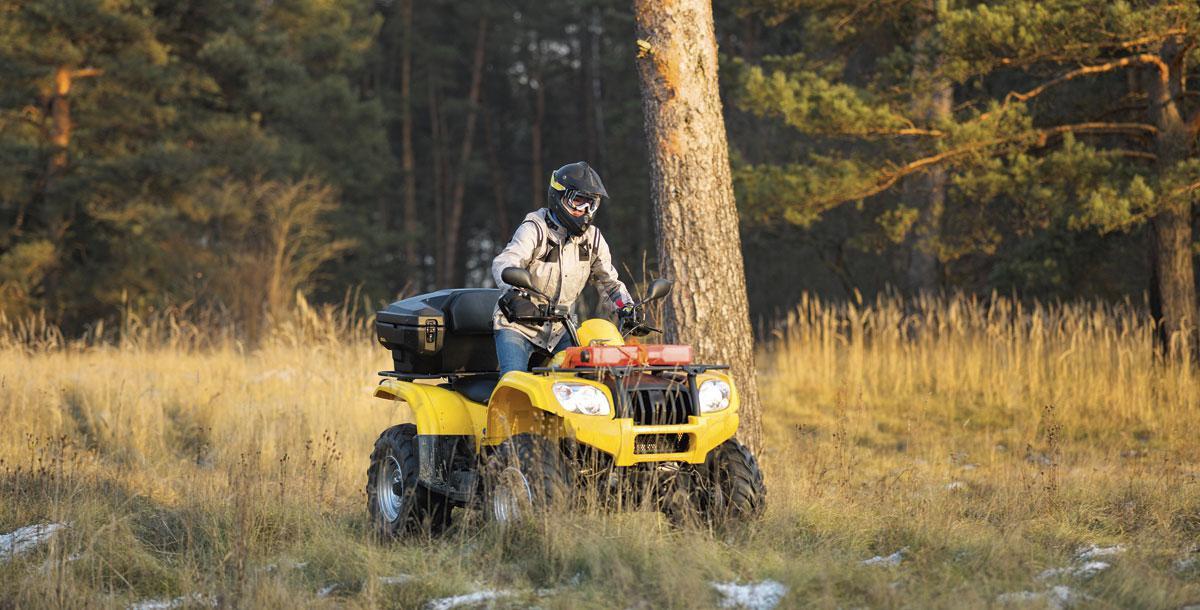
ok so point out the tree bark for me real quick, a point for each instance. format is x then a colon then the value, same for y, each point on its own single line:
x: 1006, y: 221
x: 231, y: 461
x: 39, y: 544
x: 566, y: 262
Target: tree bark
x: 59, y: 102
x: 695, y: 213
x: 451, y: 274
x: 503, y: 226
x: 596, y: 32
x: 437, y: 142
x: 1172, y: 224
x: 933, y: 98
x: 538, y: 180
x: 407, y: 163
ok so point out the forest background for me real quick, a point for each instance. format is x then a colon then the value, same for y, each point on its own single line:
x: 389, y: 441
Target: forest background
x: 221, y: 156
x: 959, y: 220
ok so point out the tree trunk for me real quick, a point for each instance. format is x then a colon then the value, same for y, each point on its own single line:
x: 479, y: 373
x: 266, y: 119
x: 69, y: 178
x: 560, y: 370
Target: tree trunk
x: 60, y: 120
x: 450, y: 272
x: 1172, y: 224
x: 537, y: 178
x: 439, y: 154
x: 539, y: 181
x: 587, y: 111
x: 932, y: 101
x: 695, y: 213
x: 596, y: 31
x: 407, y: 164
x: 503, y: 226
x: 59, y: 102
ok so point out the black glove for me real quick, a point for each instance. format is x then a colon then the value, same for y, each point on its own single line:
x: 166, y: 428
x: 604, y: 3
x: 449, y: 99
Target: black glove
x: 516, y: 307
x: 632, y: 317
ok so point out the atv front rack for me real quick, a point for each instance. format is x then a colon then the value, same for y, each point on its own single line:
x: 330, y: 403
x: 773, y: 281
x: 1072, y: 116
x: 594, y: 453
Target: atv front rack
x: 618, y: 371
x: 623, y: 371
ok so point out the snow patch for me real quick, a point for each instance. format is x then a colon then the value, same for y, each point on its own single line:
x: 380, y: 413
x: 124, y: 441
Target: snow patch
x: 1093, y: 551
x: 763, y: 595
x: 446, y: 603
x: 891, y: 560
x: 165, y: 604
x: 25, y: 539
x: 1057, y: 598
x: 1086, y: 570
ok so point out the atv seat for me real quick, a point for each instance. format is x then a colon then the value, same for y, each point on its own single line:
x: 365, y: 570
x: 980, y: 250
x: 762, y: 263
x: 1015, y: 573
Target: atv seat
x: 470, y: 312
x: 476, y: 388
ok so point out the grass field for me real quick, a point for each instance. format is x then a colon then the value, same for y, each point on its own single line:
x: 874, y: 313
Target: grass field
x: 988, y: 444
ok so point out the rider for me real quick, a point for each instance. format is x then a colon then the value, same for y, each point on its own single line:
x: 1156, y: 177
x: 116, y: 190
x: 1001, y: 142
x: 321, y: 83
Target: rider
x: 563, y: 251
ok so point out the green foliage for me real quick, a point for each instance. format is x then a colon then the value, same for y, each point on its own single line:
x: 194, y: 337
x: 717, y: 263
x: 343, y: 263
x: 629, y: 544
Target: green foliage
x: 1031, y: 144
x: 979, y: 39
x: 166, y: 98
x: 815, y: 105
x: 178, y: 109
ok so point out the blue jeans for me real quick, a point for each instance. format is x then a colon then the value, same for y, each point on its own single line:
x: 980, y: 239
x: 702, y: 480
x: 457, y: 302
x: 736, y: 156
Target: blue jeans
x: 513, y: 350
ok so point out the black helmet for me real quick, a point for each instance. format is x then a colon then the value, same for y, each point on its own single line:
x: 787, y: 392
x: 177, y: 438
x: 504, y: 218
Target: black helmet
x: 575, y: 187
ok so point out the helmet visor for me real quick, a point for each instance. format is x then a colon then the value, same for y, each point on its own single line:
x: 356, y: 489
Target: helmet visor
x: 580, y: 203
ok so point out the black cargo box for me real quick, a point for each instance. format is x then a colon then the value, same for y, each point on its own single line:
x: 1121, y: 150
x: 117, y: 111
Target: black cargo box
x: 448, y: 331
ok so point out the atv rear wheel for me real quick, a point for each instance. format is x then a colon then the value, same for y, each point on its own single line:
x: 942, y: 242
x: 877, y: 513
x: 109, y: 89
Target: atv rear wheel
x: 727, y: 489
x: 525, y: 475
x: 396, y: 503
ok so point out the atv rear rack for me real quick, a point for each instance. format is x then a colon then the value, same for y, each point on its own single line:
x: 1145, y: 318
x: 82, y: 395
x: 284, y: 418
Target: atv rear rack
x: 447, y: 376
x: 615, y: 371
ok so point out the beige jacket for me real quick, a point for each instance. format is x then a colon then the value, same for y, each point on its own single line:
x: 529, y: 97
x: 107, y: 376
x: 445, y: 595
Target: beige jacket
x: 561, y: 265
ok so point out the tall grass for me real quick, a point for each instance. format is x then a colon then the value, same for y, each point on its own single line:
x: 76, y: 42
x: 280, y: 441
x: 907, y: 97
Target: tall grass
x: 989, y: 439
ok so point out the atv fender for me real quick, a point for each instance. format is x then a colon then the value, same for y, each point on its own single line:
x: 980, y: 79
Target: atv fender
x: 448, y: 426
x: 437, y: 411
x: 525, y: 403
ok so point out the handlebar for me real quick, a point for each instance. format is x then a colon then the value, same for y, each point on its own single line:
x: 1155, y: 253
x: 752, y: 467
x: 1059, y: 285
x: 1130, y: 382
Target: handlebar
x: 550, y: 313
x: 636, y: 325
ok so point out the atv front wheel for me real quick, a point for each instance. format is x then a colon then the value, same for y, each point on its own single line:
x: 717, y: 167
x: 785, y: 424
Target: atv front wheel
x: 727, y: 489
x: 525, y: 475
x: 396, y: 503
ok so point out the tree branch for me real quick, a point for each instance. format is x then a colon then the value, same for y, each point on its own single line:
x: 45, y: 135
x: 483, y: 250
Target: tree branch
x: 1099, y: 127
x: 889, y: 179
x: 86, y: 72
x: 908, y: 131
x: 1137, y: 42
x: 1038, y: 138
x: 1074, y: 49
x: 1142, y: 58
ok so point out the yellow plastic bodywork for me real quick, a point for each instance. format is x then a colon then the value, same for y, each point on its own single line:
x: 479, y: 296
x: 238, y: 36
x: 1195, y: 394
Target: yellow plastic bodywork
x: 525, y: 403
x: 436, y: 410
x: 598, y: 331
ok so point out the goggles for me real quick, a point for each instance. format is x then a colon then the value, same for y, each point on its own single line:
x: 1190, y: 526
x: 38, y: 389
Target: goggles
x: 581, y: 202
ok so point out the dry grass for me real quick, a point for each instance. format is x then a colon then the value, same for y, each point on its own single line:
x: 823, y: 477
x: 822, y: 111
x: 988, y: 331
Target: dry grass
x: 990, y: 441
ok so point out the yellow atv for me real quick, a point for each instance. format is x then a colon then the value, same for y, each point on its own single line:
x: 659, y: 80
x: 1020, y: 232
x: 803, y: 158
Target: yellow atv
x: 632, y: 424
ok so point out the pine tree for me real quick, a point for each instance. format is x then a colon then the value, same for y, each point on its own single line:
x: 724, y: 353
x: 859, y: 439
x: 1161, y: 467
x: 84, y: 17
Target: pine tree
x: 82, y: 132
x: 699, y: 244
x: 1065, y: 110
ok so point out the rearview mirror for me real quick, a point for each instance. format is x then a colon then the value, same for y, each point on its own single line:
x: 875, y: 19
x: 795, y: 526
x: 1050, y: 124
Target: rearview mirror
x: 517, y: 277
x: 658, y: 289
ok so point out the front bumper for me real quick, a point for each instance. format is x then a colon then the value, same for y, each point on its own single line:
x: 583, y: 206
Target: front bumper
x: 618, y: 437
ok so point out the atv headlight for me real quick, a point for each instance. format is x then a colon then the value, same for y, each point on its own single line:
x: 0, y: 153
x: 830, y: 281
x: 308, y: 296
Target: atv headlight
x: 714, y: 395
x: 582, y: 398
